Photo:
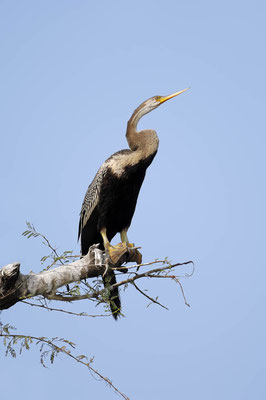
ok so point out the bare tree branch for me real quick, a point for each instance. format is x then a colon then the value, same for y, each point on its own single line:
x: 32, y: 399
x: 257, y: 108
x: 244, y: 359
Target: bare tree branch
x: 15, y: 286
x: 150, y: 298
x: 81, y: 314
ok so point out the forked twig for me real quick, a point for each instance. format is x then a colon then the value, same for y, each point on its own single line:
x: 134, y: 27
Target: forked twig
x: 148, y: 297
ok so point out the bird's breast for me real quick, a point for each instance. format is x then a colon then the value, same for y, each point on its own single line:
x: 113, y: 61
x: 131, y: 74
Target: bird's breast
x: 128, y: 163
x: 118, y: 194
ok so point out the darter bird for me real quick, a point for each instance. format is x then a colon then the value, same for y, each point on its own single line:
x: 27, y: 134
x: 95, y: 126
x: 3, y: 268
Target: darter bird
x: 111, y: 198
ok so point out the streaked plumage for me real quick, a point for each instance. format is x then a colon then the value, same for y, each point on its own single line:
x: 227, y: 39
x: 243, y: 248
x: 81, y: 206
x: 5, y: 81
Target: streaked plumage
x: 111, y: 198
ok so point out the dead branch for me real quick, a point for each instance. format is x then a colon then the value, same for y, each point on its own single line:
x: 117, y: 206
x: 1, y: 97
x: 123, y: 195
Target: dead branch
x: 148, y: 297
x: 15, y: 286
x: 81, y: 314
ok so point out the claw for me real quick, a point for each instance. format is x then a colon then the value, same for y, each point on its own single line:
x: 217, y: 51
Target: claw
x: 116, y: 252
x: 134, y: 254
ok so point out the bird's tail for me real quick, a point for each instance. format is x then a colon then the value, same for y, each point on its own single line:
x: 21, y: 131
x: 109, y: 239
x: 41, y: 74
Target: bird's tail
x: 113, y: 295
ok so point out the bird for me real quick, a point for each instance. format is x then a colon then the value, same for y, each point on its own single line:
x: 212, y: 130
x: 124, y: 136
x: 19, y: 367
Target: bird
x: 110, y: 200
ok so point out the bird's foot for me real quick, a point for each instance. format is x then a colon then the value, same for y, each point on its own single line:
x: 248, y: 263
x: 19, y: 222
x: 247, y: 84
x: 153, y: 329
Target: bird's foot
x: 134, y: 254
x: 116, y: 252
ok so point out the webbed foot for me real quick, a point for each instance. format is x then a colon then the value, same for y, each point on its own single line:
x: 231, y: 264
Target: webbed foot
x: 116, y: 252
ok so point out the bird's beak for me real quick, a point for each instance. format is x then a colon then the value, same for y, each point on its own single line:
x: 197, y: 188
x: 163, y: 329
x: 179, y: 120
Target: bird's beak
x: 163, y: 99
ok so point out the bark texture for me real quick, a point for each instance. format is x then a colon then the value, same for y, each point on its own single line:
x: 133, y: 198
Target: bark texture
x: 15, y: 286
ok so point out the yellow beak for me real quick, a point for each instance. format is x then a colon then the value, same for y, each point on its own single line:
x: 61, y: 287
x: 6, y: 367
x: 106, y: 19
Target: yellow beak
x: 163, y: 99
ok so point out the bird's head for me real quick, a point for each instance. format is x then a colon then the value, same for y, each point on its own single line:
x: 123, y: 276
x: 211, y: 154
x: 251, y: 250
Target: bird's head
x: 156, y: 101
x: 149, y: 105
x: 144, y: 108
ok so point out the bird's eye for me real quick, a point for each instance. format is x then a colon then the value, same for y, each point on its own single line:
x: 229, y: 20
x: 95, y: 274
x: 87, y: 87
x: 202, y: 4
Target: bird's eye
x: 157, y: 98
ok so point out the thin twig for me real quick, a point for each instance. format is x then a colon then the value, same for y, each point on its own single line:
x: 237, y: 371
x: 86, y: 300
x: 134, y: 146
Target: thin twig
x: 82, y: 314
x: 147, y: 274
x: 50, y: 246
x: 60, y: 297
x: 67, y: 353
x: 148, y: 297
x: 182, y: 291
x: 139, y: 265
x: 174, y: 278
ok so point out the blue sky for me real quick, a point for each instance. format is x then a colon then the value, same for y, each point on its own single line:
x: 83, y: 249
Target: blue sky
x: 72, y: 72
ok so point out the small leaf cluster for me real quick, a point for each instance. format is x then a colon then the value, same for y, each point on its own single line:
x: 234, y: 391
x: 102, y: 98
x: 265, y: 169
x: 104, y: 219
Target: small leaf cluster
x: 10, y: 340
x: 49, y: 348
x: 53, y: 258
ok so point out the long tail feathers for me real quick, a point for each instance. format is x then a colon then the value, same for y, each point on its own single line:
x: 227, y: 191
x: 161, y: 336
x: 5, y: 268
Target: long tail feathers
x: 113, y: 296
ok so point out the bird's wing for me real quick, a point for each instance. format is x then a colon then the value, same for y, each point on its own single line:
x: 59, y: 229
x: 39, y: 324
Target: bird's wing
x: 91, y: 198
x: 92, y: 195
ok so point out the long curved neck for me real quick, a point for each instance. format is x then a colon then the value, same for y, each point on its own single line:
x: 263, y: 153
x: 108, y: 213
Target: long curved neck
x: 135, y: 117
x: 144, y: 142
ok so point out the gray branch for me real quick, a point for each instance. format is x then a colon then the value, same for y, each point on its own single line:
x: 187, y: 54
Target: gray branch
x: 15, y: 286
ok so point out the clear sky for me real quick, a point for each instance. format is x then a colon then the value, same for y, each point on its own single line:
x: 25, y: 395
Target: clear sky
x: 71, y: 74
